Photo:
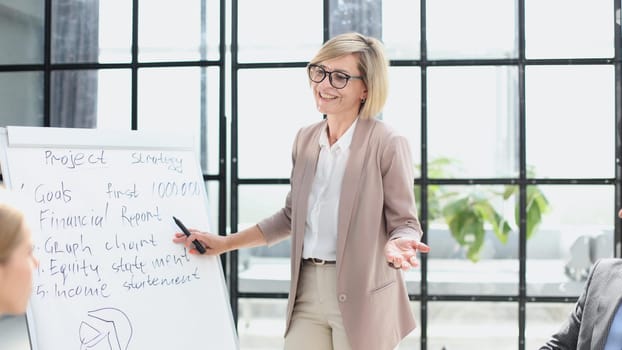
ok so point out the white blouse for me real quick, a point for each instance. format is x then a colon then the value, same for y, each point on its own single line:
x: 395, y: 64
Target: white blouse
x: 320, y: 239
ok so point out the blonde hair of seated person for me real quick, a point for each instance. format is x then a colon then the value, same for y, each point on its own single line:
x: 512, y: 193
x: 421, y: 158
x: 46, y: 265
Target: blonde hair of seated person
x: 17, y: 261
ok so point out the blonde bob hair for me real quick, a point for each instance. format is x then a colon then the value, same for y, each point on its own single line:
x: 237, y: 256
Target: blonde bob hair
x: 371, y: 62
x: 11, y: 223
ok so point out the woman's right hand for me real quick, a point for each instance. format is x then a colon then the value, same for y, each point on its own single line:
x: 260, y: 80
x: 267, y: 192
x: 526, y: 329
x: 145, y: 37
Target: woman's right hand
x: 214, y: 244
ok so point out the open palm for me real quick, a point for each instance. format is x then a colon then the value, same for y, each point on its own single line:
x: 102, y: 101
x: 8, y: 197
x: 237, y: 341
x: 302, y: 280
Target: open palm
x: 402, y: 252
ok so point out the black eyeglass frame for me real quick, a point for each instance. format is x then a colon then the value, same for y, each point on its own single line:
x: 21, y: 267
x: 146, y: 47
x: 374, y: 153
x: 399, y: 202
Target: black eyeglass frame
x: 330, y: 76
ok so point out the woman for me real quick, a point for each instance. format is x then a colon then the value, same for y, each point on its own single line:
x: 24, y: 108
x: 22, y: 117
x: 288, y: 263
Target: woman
x: 350, y: 211
x: 16, y: 261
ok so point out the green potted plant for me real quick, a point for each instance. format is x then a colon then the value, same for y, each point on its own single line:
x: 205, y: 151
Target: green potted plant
x: 467, y: 214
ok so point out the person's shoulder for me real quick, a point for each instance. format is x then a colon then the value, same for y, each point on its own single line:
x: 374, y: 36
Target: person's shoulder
x: 608, y: 263
x: 388, y: 136
x: 383, y: 129
x: 603, y: 268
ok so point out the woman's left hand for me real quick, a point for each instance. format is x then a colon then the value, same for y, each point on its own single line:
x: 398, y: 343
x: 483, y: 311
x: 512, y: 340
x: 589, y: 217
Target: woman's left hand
x: 401, y: 252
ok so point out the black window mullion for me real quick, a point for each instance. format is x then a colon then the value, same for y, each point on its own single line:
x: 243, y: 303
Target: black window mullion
x: 423, y: 48
x: 134, y: 64
x: 326, y: 20
x: 47, y: 60
x: 618, y: 133
x: 522, y: 181
x: 233, y: 273
x: 222, y: 161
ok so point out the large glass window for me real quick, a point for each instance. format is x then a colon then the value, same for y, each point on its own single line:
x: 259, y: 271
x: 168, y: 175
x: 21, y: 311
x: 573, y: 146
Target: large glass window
x: 581, y: 101
x: 114, y: 99
x: 578, y: 28
x: 188, y: 30
x: 403, y: 108
x: 513, y: 111
x: 92, y: 70
x: 278, y: 30
x: 576, y: 230
x: 475, y: 240
x: 272, y: 105
x: 464, y: 325
x: 21, y: 31
x: 21, y: 98
x: 115, y: 31
x: 510, y: 113
x: 401, y: 23
x: 472, y: 119
x: 263, y: 269
x: 457, y: 29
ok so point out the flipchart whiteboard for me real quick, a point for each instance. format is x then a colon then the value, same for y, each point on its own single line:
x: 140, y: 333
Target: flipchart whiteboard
x: 101, y: 205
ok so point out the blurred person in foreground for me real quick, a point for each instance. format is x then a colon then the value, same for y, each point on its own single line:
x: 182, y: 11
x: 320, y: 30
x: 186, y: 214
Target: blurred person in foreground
x: 596, y: 320
x: 350, y: 212
x: 17, y: 261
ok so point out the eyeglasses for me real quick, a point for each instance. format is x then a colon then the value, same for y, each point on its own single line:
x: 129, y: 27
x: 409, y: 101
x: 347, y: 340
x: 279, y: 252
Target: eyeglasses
x: 338, y: 80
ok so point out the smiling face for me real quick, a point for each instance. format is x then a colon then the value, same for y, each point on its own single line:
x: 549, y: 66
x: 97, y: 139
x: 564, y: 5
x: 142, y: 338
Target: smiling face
x: 16, y: 274
x: 340, y: 103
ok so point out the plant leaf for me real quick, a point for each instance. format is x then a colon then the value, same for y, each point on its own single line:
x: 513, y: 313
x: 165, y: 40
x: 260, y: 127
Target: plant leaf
x: 509, y: 191
x: 476, y: 246
x: 466, y: 223
x: 537, y: 205
x: 500, y: 226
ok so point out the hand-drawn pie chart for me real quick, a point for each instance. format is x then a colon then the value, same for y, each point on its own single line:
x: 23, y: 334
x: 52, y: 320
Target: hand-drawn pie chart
x: 105, y: 329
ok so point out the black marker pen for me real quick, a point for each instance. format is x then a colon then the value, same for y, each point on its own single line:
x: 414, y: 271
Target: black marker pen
x: 200, y: 248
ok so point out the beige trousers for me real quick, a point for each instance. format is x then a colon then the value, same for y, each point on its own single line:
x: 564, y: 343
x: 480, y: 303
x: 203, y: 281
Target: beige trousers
x: 316, y: 322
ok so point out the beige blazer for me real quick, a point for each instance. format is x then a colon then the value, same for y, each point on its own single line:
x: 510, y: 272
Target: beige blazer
x: 376, y: 204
